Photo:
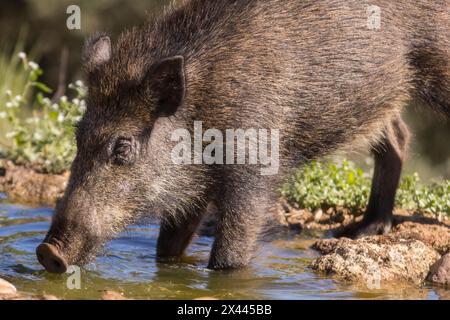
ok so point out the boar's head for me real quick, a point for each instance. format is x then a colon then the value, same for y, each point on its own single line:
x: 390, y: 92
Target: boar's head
x: 121, y: 158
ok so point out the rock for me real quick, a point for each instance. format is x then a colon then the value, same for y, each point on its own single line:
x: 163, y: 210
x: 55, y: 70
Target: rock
x: 440, y: 271
x: 32, y: 297
x: 325, y: 246
x: 378, y: 260
x: 298, y: 218
x: 112, y: 295
x: 9, y: 292
x: 7, y: 288
x: 48, y: 297
x: 25, y: 185
x: 442, y: 293
x: 289, y: 215
x: 297, y: 244
x: 435, y: 235
x: 12, y: 297
x: 318, y: 215
x: 406, y: 254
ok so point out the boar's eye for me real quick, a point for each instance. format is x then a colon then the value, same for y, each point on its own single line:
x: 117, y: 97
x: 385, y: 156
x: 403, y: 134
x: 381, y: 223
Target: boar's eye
x: 123, y: 151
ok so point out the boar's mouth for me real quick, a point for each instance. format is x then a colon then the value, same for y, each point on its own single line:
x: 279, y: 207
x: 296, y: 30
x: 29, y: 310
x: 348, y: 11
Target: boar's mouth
x: 56, y: 255
x: 56, y: 258
x: 75, y: 236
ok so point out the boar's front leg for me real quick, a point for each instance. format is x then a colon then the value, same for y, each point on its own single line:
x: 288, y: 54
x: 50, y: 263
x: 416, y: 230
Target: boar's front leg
x: 389, y: 155
x: 240, y: 222
x: 175, y: 235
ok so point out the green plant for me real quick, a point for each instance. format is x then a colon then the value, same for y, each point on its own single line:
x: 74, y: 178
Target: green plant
x: 45, y: 139
x: 12, y: 76
x: 325, y: 185
x: 412, y: 194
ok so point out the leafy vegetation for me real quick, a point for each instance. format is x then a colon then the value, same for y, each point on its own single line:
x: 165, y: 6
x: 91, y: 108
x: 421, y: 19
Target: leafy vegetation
x: 325, y: 185
x: 45, y: 138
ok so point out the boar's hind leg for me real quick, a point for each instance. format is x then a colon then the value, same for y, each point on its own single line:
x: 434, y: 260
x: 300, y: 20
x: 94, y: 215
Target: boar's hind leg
x: 174, y: 236
x: 389, y: 155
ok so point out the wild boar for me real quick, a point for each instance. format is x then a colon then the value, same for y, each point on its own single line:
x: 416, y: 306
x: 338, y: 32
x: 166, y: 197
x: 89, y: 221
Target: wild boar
x: 322, y: 73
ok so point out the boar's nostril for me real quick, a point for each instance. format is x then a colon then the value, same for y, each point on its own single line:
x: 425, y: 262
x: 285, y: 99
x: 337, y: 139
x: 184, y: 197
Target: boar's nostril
x: 49, y: 256
x: 56, y: 264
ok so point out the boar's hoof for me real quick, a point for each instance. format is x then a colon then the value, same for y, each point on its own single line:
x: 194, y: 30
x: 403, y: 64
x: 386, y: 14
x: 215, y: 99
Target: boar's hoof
x: 363, y: 229
x: 49, y: 256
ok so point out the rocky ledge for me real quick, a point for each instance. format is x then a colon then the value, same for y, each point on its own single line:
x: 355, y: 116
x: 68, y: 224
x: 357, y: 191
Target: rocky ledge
x: 376, y: 260
x: 25, y: 185
x: 410, y: 254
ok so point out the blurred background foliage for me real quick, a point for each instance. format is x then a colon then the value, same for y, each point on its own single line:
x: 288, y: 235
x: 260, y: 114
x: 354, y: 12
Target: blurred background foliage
x: 44, y: 23
x: 38, y: 27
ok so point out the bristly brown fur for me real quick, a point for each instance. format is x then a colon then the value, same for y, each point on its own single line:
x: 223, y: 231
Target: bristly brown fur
x: 312, y: 69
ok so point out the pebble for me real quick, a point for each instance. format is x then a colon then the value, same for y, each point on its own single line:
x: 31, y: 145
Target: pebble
x: 440, y: 271
x: 7, y: 288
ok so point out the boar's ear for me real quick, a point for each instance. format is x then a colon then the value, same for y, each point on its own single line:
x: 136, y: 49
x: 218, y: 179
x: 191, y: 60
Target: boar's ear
x: 97, y: 51
x: 166, y: 80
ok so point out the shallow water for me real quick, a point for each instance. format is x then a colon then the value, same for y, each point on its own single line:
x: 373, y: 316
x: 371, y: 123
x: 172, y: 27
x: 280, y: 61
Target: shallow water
x: 128, y: 265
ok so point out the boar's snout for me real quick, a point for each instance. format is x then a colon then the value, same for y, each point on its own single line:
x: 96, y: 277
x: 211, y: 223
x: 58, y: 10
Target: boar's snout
x: 49, y: 256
